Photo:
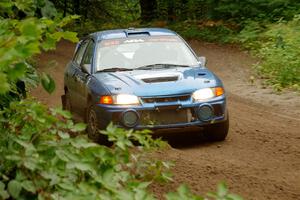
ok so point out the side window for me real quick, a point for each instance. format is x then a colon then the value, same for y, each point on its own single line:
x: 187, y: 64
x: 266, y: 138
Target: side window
x: 80, y: 52
x: 88, y: 56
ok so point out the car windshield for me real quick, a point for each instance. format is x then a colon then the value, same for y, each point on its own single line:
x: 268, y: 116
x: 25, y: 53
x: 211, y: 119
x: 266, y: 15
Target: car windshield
x: 133, y: 53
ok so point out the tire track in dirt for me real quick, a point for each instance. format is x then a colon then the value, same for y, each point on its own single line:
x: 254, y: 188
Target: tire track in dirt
x: 261, y: 157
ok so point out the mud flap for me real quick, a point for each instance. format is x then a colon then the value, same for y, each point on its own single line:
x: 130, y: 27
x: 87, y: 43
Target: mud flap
x: 63, y: 101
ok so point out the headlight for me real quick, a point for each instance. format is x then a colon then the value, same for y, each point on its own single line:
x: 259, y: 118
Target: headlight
x: 207, y: 93
x: 120, y: 99
x: 126, y: 99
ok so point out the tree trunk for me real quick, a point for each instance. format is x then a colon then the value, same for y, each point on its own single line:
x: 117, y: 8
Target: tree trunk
x: 148, y: 10
x: 171, y: 11
x: 65, y: 8
x: 86, y: 9
x: 76, y: 7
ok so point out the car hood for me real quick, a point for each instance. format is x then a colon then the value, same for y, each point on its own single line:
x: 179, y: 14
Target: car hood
x: 158, y: 82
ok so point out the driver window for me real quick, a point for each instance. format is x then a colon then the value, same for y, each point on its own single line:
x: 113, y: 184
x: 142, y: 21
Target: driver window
x: 88, y: 56
x: 80, y: 52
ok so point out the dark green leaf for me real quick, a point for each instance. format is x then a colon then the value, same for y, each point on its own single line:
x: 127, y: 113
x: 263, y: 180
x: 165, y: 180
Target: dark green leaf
x: 234, y: 197
x: 63, y: 135
x: 14, y: 188
x: 4, y: 86
x: 30, y: 29
x: 48, y: 83
x: 29, y: 186
x: 222, y: 189
x: 3, y: 192
x: 71, y: 36
x: 48, y: 10
x: 18, y: 71
x: 79, y: 165
x: 79, y: 127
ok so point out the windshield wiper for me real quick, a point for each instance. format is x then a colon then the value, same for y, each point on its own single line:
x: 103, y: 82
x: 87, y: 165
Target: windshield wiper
x: 159, y: 66
x: 115, y: 69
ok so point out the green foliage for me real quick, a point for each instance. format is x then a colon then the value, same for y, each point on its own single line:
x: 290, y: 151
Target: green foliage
x: 278, y: 46
x: 41, y: 160
x: 237, y: 10
x: 48, y: 83
x: 127, y: 11
x: 207, y: 31
x: 248, y: 36
x: 271, y: 10
x: 183, y: 193
x: 97, y: 15
x: 223, y: 193
x: 23, y: 35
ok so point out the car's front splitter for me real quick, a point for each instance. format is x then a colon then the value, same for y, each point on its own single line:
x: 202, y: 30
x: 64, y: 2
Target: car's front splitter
x: 163, y: 116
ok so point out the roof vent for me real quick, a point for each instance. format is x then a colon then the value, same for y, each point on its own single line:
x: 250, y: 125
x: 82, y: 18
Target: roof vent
x: 130, y: 34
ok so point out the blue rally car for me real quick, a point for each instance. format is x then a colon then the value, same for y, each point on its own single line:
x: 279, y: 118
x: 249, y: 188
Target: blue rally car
x: 143, y: 79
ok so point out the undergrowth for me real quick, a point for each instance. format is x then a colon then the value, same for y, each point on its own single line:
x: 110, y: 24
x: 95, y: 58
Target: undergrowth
x: 278, y: 46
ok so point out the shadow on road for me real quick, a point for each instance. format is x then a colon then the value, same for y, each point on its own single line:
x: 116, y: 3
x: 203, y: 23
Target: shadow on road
x: 185, y: 140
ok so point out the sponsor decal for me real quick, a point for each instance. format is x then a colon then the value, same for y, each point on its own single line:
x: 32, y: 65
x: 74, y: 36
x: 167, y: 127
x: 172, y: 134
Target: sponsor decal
x: 133, y: 41
x: 113, y: 42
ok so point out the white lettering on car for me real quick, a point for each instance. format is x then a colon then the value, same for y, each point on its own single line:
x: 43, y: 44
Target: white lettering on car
x: 133, y: 41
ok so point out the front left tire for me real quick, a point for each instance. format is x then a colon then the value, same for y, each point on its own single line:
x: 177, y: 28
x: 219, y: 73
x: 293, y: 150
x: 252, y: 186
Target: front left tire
x: 93, y: 125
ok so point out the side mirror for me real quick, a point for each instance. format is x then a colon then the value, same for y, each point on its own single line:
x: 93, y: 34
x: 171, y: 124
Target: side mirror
x: 202, y: 60
x: 86, y: 68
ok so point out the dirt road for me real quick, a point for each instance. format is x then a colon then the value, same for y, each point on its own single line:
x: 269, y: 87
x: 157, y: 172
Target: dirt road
x: 261, y: 157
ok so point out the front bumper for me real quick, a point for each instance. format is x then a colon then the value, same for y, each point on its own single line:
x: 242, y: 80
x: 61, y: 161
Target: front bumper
x: 163, y: 115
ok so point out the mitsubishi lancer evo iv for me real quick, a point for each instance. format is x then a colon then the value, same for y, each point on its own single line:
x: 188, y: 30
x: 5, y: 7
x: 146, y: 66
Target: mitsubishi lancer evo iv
x: 146, y: 78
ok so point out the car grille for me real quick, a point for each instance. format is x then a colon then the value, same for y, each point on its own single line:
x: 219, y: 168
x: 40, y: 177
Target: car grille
x: 166, y: 99
x: 164, y: 117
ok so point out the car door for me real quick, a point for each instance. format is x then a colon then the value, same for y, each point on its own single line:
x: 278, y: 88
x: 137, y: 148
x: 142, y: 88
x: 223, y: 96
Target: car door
x: 83, y: 76
x: 73, y: 76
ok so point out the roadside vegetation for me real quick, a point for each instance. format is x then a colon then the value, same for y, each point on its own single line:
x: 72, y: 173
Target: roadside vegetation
x: 43, y: 153
x: 277, y: 44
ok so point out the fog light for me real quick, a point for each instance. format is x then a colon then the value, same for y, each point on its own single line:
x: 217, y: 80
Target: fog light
x: 205, y: 112
x: 130, y: 118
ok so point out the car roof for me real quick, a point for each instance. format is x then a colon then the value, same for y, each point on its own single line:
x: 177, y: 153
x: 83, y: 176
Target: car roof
x: 131, y: 32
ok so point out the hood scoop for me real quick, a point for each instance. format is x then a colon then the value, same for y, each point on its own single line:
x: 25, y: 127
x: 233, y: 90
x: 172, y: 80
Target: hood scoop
x: 160, y: 79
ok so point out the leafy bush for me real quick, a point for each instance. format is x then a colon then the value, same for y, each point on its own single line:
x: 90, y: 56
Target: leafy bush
x: 240, y: 10
x: 23, y: 35
x: 183, y: 193
x: 210, y: 31
x: 278, y: 45
x: 40, y: 159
